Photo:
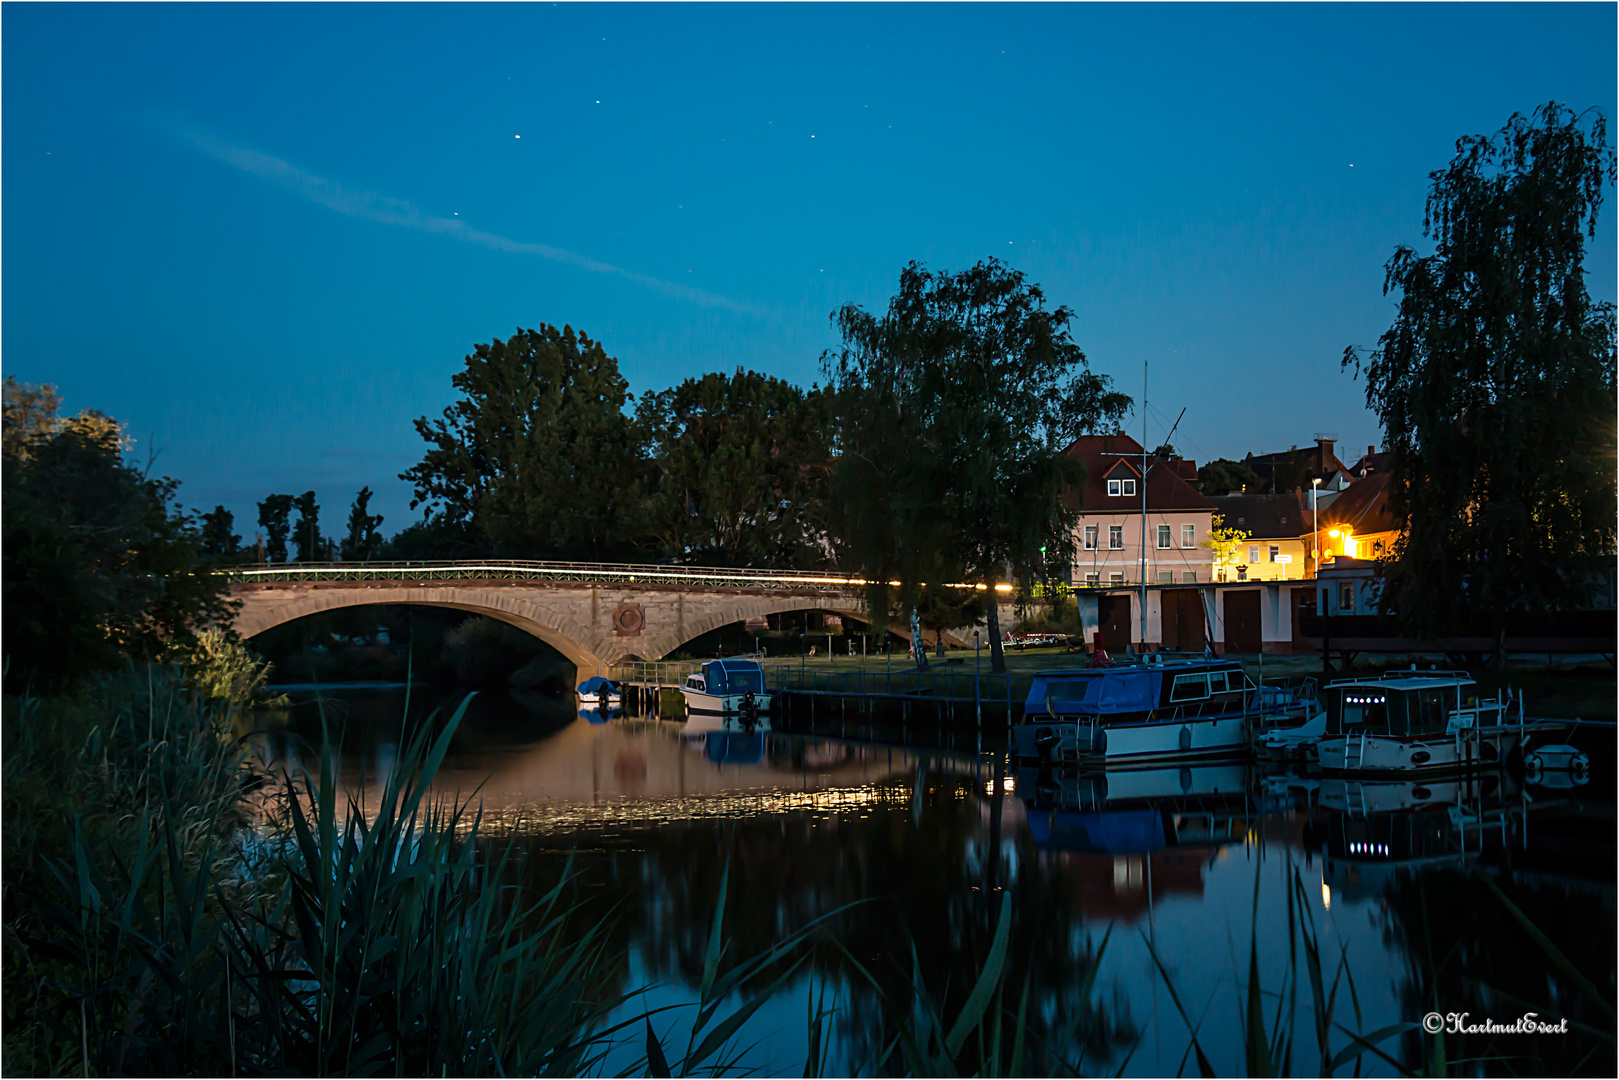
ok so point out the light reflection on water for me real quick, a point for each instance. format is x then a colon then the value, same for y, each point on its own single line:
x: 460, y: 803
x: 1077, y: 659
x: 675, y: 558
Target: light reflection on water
x: 1187, y: 863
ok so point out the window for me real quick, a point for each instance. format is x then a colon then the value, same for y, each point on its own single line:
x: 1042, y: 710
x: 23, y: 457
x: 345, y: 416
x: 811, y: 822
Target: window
x: 1188, y: 536
x: 1163, y: 536
x: 1274, y: 551
x: 1166, y: 577
x: 1346, y: 596
x: 1115, y: 578
x: 1090, y: 538
x: 1253, y: 553
x: 1189, y: 687
x: 1115, y: 537
x: 1093, y: 580
x: 1129, y: 487
x: 1115, y: 487
x: 1188, y: 577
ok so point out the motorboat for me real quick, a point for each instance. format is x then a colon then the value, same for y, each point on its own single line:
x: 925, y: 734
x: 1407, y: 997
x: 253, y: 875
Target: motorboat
x: 1176, y: 710
x: 735, y: 686
x: 598, y: 692
x: 1422, y: 722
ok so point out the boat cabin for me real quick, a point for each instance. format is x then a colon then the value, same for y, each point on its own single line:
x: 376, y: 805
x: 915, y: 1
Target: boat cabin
x: 722, y: 677
x: 1186, y: 688
x: 1399, y: 706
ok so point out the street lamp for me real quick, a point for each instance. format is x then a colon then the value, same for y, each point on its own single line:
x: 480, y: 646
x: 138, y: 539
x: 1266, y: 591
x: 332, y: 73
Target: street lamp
x: 1315, y: 527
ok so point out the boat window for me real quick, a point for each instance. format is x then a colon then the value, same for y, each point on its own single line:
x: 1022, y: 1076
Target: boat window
x: 1189, y: 687
x: 1218, y: 683
x: 1067, y: 689
x: 1430, y: 714
x: 743, y: 681
x: 1366, y: 710
x: 1399, y: 708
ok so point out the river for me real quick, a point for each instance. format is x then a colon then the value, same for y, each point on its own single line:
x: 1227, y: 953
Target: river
x: 1180, y: 871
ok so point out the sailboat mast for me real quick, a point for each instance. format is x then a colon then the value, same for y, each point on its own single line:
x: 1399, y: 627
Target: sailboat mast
x: 1143, y: 638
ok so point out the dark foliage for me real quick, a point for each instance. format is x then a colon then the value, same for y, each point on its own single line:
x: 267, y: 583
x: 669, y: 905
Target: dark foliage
x: 1495, y: 384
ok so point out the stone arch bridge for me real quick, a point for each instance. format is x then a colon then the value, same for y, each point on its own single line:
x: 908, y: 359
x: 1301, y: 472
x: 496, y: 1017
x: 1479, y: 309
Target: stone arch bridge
x: 595, y: 614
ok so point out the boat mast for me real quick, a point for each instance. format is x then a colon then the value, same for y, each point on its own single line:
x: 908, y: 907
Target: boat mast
x: 1143, y: 637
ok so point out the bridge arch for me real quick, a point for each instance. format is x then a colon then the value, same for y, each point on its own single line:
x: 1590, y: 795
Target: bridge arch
x: 266, y: 609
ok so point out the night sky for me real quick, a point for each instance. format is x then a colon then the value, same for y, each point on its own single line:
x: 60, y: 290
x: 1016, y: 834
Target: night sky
x: 264, y: 237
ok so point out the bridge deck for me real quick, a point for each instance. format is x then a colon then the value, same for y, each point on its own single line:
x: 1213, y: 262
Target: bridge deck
x: 531, y: 570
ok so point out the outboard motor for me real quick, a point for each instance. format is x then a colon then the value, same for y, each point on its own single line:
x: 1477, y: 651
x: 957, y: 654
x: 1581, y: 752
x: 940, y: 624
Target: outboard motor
x: 748, y: 710
x: 1046, y: 741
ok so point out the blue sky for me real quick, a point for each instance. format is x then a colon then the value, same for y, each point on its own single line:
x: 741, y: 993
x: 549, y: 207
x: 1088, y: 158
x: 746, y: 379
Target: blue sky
x: 265, y: 236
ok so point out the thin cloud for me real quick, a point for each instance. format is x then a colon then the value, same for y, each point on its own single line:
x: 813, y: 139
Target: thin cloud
x: 386, y: 210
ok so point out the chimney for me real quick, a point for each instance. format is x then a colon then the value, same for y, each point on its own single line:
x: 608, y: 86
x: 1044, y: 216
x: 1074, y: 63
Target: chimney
x: 1370, y: 450
x: 1324, y: 445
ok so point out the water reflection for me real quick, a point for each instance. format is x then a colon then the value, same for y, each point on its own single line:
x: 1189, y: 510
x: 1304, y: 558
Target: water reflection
x: 924, y: 843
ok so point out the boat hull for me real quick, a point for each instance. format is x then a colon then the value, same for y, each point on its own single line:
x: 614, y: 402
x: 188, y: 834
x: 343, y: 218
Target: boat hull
x: 698, y: 701
x: 1388, y: 755
x: 1128, y: 744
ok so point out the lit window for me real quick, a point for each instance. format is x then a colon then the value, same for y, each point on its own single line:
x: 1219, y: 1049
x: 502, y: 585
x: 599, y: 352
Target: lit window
x: 1166, y: 577
x: 1346, y: 596
x: 1163, y: 536
x: 1188, y: 577
x: 1115, y: 537
x: 1129, y: 487
x: 1115, y: 487
x: 1188, y: 536
x: 1090, y: 538
x: 1274, y: 551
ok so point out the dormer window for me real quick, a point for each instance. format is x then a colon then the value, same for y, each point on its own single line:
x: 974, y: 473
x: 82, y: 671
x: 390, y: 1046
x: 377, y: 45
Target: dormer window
x: 1121, y: 487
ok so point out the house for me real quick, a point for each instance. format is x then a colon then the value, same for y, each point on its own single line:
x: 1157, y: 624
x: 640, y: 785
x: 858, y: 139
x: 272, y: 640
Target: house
x: 1277, y: 545
x: 1294, y: 469
x: 1110, y: 542
x: 1373, y: 462
x: 1358, y: 523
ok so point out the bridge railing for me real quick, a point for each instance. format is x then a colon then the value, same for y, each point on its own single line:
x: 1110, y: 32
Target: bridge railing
x: 531, y: 570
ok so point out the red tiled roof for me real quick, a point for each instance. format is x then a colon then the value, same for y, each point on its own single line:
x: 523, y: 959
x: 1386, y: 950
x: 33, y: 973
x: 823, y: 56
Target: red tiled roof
x: 1119, y: 456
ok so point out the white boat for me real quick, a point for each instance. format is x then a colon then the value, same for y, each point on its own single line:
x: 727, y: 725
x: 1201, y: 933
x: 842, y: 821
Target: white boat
x: 1421, y: 721
x: 1129, y: 715
x: 734, y: 687
x: 597, y: 692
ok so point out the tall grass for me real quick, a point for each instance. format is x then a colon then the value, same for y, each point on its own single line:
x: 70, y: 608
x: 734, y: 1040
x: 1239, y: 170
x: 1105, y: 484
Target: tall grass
x: 374, y: 939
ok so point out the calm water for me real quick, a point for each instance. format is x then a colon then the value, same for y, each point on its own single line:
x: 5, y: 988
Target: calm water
x: 1186, y: 863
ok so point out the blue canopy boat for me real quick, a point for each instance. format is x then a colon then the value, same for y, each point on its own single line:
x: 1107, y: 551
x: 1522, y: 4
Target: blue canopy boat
x: 1150, y: 712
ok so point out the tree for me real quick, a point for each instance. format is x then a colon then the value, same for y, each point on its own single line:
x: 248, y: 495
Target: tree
x: 1222, y: 476
x: 956, y: 408
x: 741, y: 470
x: 363, y: 539
x: 30, y: 412
x: 1495, y: 383
x: 306, y: 534
x: 1224, y: 542
x: 217, y: 538
x: 538, y: 455
x: 274, y: 512
x: 99, y: 563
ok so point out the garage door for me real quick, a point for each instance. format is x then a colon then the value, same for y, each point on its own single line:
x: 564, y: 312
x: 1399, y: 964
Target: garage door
x: 1242, y: 622
x: 1113, y: 618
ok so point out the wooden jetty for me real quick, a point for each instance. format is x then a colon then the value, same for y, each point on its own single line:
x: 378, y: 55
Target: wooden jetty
x: 951, y: 693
